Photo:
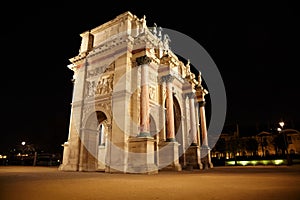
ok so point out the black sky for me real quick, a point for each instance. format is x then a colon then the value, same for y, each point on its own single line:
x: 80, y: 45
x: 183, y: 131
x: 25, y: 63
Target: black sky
x: 255, y: 47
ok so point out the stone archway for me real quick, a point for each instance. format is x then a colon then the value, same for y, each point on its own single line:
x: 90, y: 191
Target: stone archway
x: 90, y: 156
x: 103, y: 131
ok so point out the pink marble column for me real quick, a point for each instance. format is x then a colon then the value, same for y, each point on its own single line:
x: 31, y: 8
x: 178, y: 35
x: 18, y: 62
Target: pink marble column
x: 193, y: 123
x: 203, y: 124
x: 144, y: 98
x: 163, y: 90
x: 169, y: 109
x: 144, y: 106
x: 205, y: 147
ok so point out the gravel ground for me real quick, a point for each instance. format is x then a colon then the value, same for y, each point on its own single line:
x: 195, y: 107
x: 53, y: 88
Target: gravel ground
x: 259, y: 182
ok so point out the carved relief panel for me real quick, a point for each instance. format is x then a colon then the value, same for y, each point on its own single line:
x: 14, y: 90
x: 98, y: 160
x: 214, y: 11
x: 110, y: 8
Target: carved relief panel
x: 99, y: 80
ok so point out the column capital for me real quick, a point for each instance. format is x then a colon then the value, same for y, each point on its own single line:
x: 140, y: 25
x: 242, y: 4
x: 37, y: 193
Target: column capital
x: 190, y: 95
x: 143, y: 60
x: 168, y: 78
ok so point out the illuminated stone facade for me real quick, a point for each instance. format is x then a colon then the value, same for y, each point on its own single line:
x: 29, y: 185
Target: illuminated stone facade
x: 262, y: 145
x: 136, y: 107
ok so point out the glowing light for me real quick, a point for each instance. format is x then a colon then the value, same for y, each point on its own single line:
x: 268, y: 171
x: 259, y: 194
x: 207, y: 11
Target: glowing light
x: 23, y: 143
x: 244, y: 163
x: 256, y: 162
x: 230, y: 163
x: 265, y: 162
x: 253, y: 162
x: 277, y: 162
x: 281, y: 124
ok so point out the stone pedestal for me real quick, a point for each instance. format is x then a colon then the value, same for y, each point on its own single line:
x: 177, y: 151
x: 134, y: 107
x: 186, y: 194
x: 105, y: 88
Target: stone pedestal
x: 70, y: 159
x: 64, y: 166
x: 141, y: 156
x: 206, y: 157
x: 101, y: 165
x: 193, y: 158
x: 169, y: 157
x: 88, y: 162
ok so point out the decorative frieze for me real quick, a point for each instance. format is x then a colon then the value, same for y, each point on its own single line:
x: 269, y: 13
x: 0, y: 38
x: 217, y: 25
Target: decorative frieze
x: 100, y: 70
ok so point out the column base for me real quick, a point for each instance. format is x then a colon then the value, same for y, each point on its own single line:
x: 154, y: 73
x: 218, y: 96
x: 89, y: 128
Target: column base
x: 206, y: 157
x: 111, y: 170
x: 144, y: 135
x: 169, y: 157
x: 69, y: 164
x: 148, y: 168
x: 141, y: 156
x: 193, y: 159
x: 68, y: 167
x: 170, y: 140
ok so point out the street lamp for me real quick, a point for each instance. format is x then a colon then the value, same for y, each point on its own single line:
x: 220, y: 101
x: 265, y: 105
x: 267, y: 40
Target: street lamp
x: 281, y: 124
x: 23, y: 150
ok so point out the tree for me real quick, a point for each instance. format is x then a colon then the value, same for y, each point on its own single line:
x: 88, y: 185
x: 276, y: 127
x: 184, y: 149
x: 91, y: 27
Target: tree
x: 281, y: 143
x: 234, y: 146
x: 251, y: 145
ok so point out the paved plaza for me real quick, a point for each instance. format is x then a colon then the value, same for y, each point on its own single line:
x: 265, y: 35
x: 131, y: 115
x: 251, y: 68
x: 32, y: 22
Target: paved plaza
x: 248, y: 182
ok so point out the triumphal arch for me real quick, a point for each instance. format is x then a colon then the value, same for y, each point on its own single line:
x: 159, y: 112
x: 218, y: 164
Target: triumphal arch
x: 136, y: 107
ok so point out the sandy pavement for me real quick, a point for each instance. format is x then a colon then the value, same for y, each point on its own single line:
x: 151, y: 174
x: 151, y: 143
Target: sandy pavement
x: 43, y: 183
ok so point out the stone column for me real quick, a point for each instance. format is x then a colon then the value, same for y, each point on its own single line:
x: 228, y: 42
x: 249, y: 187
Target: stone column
x: 168, y: 151
x: 193, y: 119
x: 203, y: 123
x: 141, y: 148
x: 193, y: 156
x: 163, y: 90
x: 144, y: 101
x: 205, y: 147
x: 108, y: 152
x: 170, y: 111
x: 205, y: 150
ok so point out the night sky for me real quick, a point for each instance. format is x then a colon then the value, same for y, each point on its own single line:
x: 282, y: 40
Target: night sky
x: 255, y: 47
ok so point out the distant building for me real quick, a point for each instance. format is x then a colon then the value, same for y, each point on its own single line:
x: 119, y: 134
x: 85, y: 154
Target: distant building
x: 263, y: 144
x: 136, y: 107
x: 277, y: 144
x: 266, y: 145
